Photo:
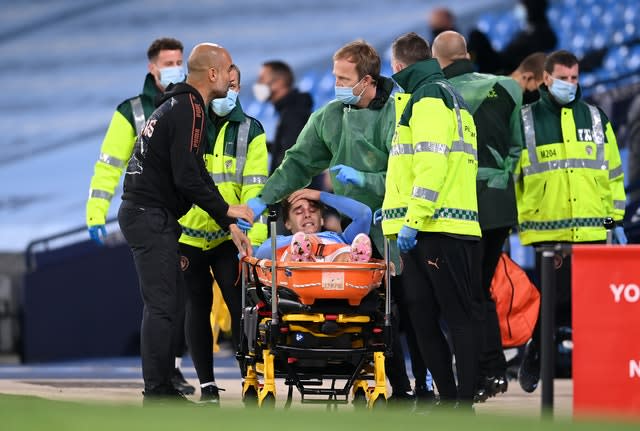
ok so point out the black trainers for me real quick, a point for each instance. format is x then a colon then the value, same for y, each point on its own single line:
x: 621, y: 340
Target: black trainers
x: 529, y: 372
x: 180, y: 383
x: 424, y: 395
x: 164, y: 395
x: 490, y: 387
x: 402, y: 399
x: 210, y: 395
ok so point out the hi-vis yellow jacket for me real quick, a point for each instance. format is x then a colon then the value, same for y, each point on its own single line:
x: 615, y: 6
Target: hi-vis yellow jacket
x: 237, y: 161
x: 569, y: 177
x: 116, y: 150
x: 431, y: 175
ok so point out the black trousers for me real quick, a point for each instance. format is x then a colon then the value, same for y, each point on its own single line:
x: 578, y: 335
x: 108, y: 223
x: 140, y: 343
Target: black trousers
x: 442, y: 280
x: 152, y: 235
x: 223, y: 261
x: 395, y: 366
x: 492, y: 359
x: 405, y: 327
x: 562, y: 265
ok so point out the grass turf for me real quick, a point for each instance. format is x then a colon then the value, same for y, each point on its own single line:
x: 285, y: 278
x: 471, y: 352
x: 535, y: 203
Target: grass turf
x: 32, y: 413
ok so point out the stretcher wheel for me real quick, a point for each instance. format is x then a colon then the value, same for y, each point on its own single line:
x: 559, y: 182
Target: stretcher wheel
x: 250, y: 397
x: 359, y: 399
x: 378, y: 404
x: 269, y: 401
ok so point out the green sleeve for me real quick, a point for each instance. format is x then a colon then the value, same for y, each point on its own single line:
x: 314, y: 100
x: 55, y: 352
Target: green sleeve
x: 308, y: 157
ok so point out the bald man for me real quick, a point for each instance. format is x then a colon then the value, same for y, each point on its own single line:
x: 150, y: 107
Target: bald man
x: 494, y: 102
x: 165, y: 177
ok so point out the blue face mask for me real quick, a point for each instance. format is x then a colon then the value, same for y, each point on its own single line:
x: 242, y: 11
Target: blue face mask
x: 564, y: 92
x: 346, y: 96
x: 173, y: 74
x: 224, y: 105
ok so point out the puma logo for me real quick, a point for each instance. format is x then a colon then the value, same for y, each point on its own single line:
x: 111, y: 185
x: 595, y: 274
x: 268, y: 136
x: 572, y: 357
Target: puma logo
x: 433, y: 263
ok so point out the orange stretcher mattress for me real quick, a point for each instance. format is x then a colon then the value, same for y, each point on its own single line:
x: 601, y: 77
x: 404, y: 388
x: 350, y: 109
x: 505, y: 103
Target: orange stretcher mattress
x: 323, y: 280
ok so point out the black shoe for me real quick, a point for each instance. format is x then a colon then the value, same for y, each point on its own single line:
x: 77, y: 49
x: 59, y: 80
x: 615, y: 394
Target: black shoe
x: 529, y: 372
x: 164, y: 395
x: 424, y: 395
x: 210, y: 395
x: 179, y: 382
x: 403, y: 398
x: 489, y: 387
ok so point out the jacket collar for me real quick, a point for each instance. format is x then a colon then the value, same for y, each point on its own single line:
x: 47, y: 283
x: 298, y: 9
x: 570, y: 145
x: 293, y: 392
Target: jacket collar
x: 150, y: 88
x: 418, y: 74
x: 547, y: 100
x: 458, y: 67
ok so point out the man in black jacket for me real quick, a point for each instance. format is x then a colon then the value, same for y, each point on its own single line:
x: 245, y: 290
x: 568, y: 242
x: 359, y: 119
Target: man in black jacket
x: 494, y: 102
x: 275, y: 84
x: 165, y: 177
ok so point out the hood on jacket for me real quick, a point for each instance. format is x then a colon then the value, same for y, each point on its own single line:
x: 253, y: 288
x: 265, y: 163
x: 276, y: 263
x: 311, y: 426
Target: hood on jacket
x: 383, y: 91
x: 175, y: 89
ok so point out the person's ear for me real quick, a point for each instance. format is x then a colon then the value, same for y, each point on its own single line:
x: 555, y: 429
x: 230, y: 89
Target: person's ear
x: 321, y: 221
x: 287, y: 224
x: 212, y: 74
x: 547, y: 79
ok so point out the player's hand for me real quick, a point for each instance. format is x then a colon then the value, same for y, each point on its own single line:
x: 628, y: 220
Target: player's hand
x: 308, y: 194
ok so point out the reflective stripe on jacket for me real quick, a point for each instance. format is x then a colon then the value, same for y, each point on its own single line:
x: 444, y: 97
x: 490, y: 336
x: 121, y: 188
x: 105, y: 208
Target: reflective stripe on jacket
x: 431, y: 175
x: 116, y: 150
x: 238, y: 165
x: 569, y: 177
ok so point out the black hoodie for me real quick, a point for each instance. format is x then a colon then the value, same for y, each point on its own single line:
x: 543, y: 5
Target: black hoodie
x: 167, y: 167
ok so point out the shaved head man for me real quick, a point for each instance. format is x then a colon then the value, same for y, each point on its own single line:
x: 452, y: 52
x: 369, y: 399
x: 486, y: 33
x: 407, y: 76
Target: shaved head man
x: 209, y: 66
x: 165, y: 177
x: 448, y: 47
x: 495, y: 103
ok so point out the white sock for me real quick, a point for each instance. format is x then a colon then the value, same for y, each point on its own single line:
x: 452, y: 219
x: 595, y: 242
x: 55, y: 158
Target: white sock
x: 204, y: 385
x: 178, y: 361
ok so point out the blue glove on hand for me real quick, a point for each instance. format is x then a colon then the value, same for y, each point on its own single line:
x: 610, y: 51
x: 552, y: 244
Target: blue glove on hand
x: 348, y: 175
x: 243, y: 225
x: 619, y: 236
x: 377, y: 216
x: 98, y: 233
x: 258, y: 206
x: 407, y: 239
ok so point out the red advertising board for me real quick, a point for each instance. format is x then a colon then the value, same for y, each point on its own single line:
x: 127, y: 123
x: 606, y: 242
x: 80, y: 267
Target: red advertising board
x: 606, y: 329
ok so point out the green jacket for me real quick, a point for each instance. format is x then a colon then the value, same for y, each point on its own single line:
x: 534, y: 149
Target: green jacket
x: 431, y: 177
x: 339, y: 134
x: 569, y: 177
x: 494, y: 102
x: 236, y: 159
x: 116, y: 150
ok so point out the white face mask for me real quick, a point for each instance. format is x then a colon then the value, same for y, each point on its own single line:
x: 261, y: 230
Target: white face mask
x: 173, y: 74
x: 564, y: 92
x: 262, y: 92
x: 224, y: 105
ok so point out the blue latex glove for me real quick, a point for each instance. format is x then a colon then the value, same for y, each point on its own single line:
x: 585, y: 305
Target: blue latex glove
x: 619, y: 236
x: 258, y: 206
x: 377, y: 216
x: 348, y: 175
x: 243, y: 225
x: 407, y: 239
x: 98, y: 233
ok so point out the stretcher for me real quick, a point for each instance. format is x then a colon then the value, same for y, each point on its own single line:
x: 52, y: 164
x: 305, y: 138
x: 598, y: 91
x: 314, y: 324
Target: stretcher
x: 322, y: 327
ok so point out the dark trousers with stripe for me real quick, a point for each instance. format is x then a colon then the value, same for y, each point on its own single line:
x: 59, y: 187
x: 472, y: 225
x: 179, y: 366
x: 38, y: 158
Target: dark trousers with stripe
x: 442, y: 281
x: 223, y: 261
x: 152, y: 235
